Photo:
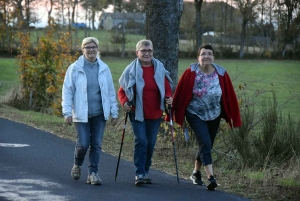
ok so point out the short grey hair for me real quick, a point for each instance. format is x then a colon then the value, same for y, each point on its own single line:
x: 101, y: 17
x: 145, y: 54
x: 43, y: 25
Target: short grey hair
x: 89, y: 40
x: 143, y: 42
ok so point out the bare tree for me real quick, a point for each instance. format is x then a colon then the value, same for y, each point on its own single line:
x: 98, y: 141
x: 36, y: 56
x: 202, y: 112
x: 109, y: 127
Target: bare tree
x: 163, y: 19
x: 187, y: 23
x: 198, y: 6
x: 50, y: 9
x: 18, y: 11
x: 92, y: 7
x: 5, y: 12
x: 73, y: 8
x: 288, y: 7
x: 23, y: 12
x: 248, y: 10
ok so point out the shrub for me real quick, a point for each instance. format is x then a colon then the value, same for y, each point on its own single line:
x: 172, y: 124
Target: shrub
x: 267, y: 139
x: 42, y: 73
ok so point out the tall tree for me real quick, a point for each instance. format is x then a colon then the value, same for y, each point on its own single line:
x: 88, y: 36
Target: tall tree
x: 118, y: 5
x: 288, y: 7
x: 187, y: 22
x: 18, y: 11
x: 198, y: 6
x: 94, y: 6
x: 49, y: 10
x: 249, y: 12
x: 163, y: 19
x: 135, y: 6
x: 5, y: 12
x: 74, y: 5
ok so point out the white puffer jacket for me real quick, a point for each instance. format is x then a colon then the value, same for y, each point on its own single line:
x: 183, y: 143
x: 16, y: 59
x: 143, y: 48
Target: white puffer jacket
x: 74, y: 92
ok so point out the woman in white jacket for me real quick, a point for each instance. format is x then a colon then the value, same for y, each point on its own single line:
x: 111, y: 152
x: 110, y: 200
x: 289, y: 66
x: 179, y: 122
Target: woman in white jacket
x: 88, y: 100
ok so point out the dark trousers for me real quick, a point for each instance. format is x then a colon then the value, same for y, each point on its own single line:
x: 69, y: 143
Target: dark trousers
x: 205, y: 132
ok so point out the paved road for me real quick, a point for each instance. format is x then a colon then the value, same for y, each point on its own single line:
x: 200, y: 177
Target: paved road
x: 35, y: 165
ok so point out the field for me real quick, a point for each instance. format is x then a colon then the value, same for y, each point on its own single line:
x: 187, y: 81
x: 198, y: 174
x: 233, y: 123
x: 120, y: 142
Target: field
x: 8, y: 77
x: 258, y: 75
x: 103, y: 37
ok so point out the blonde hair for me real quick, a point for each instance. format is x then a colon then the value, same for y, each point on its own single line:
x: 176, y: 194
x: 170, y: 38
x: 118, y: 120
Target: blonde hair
x: 90, y: 40
x: 143, y: 42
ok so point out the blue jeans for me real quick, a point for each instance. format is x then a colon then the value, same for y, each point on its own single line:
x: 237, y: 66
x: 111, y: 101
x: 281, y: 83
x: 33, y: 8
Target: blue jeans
x: 89, y: 135
x: 205, y: 132
x: 145, y: 134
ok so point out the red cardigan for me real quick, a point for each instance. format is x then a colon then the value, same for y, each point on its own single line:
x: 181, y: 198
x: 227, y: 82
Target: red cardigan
x: 183, y: 96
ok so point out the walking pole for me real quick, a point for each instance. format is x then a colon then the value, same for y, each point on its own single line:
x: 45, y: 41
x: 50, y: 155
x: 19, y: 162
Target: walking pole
x: 173, y: 140
x: 123, y: 134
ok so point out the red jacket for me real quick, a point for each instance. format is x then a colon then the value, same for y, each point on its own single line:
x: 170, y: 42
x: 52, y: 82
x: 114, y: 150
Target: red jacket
x: 183, y: 96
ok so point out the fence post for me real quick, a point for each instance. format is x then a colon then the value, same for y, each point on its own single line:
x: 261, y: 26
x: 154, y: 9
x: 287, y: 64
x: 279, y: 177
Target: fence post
x: 30, y: 98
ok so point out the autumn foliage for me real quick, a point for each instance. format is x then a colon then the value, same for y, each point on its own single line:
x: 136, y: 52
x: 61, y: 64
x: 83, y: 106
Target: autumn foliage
x: 42, y: 69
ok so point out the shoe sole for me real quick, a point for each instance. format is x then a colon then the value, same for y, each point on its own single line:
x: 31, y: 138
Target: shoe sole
x: 139, y: 183
x: 200, y: 184
x: 75, y: 176
x: 93, y: 183
x: 147, y: 181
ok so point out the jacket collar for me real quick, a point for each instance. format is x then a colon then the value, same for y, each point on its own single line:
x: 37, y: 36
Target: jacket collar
x: 221, y: 71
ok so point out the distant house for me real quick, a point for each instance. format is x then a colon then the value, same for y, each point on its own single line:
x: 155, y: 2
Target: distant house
x: 109, y: 21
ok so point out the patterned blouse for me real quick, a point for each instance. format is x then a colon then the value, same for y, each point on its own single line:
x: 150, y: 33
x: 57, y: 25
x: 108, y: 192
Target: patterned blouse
x: 206, y: 100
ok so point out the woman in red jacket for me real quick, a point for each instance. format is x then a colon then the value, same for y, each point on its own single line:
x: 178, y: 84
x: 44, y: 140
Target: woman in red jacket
x: 203, y: 96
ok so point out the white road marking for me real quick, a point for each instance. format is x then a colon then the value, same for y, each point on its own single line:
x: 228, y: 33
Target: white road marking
x: 25, y: 190
x: 13, y: 145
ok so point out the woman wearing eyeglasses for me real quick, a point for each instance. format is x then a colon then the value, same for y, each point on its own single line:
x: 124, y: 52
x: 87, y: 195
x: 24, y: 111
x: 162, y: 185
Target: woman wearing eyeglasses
x: 88, y: 100
x: 203, y: 96
x: 145, y: 85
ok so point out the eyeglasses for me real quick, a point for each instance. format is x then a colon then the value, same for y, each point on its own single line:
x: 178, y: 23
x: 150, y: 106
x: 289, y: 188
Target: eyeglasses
x: 206, y: 55
x: 147, y: 51
x: 90, y: 47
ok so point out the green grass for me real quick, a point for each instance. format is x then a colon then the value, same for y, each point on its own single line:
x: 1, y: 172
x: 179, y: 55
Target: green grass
x: 103, y: 37
x: 8, y: 76
x: 258, y: 75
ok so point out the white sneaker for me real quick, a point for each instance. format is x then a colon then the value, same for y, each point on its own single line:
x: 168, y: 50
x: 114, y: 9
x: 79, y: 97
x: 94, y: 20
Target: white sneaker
x: 94, y: 179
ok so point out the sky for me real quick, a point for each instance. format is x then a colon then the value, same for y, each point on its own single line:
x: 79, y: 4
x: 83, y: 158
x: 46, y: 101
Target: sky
x: 43, y: 16
x: 41, y: 11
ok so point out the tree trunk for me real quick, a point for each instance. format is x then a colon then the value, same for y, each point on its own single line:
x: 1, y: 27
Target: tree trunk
x: 243, y: 38
x: 163, y: 19
x: 73, y: 11
x: 198, y: 6
x: 50, y: 12
x: 93, y: 18
x: 19, y: 11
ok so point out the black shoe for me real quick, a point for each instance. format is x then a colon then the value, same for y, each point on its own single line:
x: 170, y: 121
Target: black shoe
x: 196, y: 178
x: 212, y: 183
x: 139, y: 180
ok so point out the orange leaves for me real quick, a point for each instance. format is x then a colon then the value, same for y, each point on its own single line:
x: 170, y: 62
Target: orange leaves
x: 240, y: 102
x: 42, y: 68
x: 51, y: 89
